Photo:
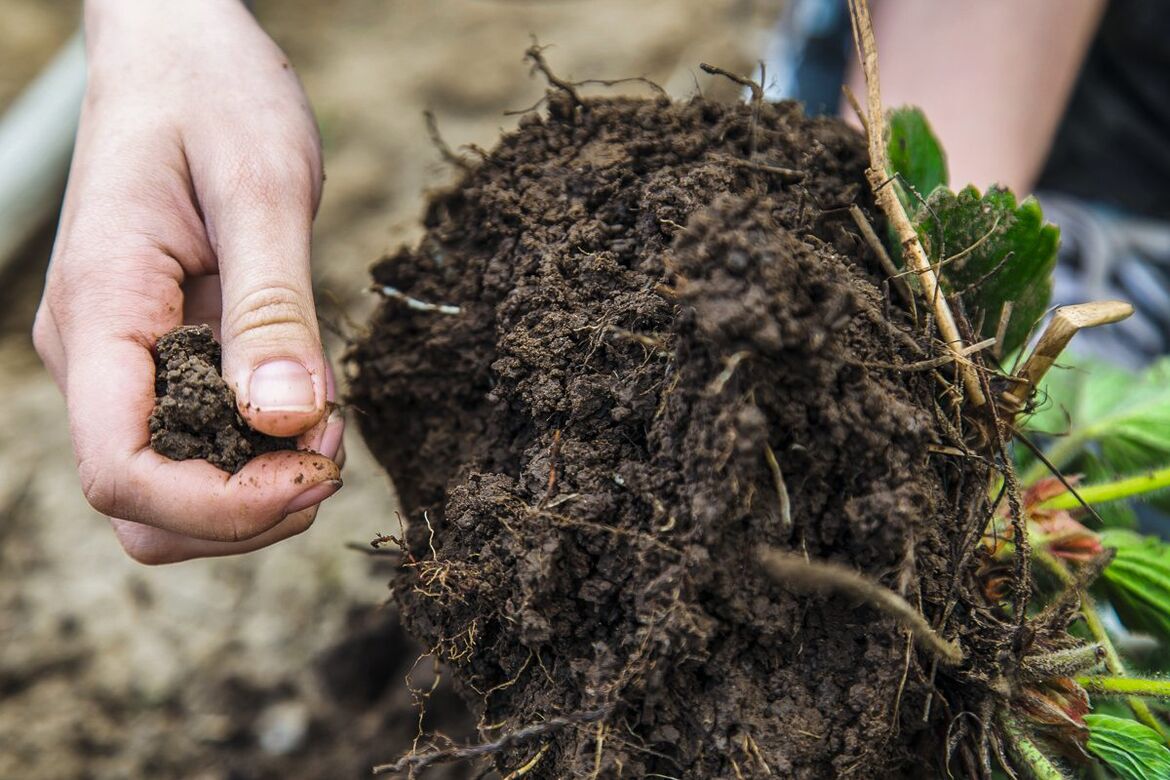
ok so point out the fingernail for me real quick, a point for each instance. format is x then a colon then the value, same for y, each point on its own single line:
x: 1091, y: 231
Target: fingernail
x: 313, y: 496
x: 331, y: 439
x: 282, y: 386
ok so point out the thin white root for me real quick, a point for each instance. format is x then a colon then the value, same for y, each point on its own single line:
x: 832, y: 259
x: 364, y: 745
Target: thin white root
x: 781, y: 487
x: 796, y: 573
x: 416, y: 304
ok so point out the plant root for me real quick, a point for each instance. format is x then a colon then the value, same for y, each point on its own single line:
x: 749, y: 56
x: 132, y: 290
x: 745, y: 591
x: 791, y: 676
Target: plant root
x: 458, y: 160
x: 414, y: 762
x: 795, y: 573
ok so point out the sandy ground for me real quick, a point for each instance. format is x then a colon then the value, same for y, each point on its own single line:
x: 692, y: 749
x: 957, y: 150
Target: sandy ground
x: 280, y: 664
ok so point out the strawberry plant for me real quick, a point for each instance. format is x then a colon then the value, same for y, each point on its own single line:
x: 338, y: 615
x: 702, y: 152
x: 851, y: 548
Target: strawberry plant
x: 1090, y: 441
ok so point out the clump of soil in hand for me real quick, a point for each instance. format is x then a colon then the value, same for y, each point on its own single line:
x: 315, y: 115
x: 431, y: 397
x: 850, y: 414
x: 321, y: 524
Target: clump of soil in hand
x: 667, y: 352
x: 195, y: 412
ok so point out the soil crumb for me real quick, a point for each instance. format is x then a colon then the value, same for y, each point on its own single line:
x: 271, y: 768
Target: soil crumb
x: 670, y: 346
x: 195, y: 412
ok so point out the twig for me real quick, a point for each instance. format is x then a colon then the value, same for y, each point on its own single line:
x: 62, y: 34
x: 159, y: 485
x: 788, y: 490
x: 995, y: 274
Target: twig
x: 530, y: 764
x: 1022, y: 562
x: 1043, y: 460
x: 887, y: 198
x: 554, y: 452
x: 855, y: 104
x: 373, y: 552
x: 927, y: 365
x: 743, y: 81
x: 1005, y: 317
x: 724, y: 376
x: 628, y: 80
x: 793, y: 571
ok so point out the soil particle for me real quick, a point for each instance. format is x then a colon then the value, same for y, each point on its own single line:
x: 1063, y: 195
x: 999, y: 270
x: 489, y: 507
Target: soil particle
x: 195, y: 412
x: 653, y: 345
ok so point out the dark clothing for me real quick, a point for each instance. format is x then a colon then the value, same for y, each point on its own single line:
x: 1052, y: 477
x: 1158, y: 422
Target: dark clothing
x: 1113, y: 144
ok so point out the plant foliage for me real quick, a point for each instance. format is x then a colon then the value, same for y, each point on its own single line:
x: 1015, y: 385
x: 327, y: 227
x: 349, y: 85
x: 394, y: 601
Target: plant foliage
x: 1100, y: 422
x: 915, y: 155
x: 1133, y: 751
x: 1138, y: 582
x: 989, y: 249
x: 1107, y: 423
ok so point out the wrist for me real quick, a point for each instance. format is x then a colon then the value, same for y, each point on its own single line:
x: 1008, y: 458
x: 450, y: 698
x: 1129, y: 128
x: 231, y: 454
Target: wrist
x: 131, y: 29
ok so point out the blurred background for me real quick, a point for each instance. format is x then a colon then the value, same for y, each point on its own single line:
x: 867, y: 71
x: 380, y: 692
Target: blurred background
x: 284, y: 663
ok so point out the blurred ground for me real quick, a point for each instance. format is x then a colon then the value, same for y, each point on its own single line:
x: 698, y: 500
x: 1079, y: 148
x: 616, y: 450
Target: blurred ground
x: 280, y: 664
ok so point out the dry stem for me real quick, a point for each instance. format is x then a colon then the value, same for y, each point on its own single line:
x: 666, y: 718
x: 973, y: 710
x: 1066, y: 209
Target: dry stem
x: 1066, y: 321
x: 887, y: 199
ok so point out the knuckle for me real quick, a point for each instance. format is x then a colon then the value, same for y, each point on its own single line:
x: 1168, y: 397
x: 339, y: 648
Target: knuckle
x: 86, y: 292
x: 272, y: 179
x: 277, y: 310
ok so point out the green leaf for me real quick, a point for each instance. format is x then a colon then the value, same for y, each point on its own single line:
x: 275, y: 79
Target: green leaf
x: 1137, y: 581
x: 916, y: 156
x: 1007, y: 250
x: 1106, y: 422
x: 1132, y: 750
x: 993, y: 250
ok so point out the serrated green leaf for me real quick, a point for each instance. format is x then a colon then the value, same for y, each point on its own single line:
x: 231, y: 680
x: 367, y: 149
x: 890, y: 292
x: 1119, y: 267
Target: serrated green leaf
x: 994, y: 250
x: 1137, y: 581
x: 916, y: 156
x: 1007, y: 250
x: 1132, y: 750
x: 1106, y: 422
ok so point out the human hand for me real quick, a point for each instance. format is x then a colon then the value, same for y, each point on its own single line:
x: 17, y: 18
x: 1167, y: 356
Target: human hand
x: 195, y: 178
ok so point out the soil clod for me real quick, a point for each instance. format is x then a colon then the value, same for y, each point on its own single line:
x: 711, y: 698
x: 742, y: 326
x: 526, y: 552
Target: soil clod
x: 660, y: 364
x: 195, y: 413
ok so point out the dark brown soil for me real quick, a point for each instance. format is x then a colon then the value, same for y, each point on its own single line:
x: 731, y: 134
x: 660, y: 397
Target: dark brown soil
x: 195, y: 412
x: 583, y: 451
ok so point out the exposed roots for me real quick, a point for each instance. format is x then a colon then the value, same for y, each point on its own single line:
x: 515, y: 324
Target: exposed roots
x: 798, y: 574
x: 414, y: 762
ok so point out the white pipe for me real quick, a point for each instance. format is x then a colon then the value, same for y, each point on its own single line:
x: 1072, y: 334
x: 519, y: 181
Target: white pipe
x: 36, y: 142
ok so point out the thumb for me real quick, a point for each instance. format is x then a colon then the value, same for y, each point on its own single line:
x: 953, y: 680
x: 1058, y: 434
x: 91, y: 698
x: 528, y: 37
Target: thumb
x: 272, y: 352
